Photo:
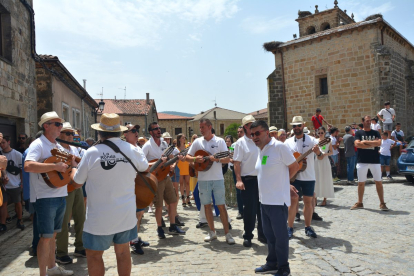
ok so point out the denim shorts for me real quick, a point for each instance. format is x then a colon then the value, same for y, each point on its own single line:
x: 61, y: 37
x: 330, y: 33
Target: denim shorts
x: 176, y: 176
x: 307, y: 187
x: 103, y: 242
x: 385, y: 160
x: 50, y: 212
x: 386, y: 127
x: 215, y: 186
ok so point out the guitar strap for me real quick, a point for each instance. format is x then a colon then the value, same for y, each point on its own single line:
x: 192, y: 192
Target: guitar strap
x: 317, y: 119
x: 116, y: 149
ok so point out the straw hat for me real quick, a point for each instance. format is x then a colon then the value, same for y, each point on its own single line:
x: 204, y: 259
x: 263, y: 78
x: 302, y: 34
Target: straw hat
x: 272, y: 129
x: 306, y: 130
x: 142, y: 139
x: 67, y: 126
x: 248, y: 119
x: 166, y: 135
x: 297, y: 120
x: 110, y: 122
x: 281, y: 131
x: 49, y: 116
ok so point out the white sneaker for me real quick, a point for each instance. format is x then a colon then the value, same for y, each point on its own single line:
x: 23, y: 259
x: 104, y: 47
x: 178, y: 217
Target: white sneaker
x: 211, y: 236
x: 149, y: 209
x: 59, y: 271
x: 229, y: 239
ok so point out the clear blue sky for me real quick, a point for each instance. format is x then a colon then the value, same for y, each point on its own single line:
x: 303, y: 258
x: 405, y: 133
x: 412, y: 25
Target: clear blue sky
x: 184, y: 53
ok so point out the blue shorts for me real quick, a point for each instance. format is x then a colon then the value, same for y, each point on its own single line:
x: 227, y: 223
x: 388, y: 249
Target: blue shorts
x: 139, y: 210
x: 215, y: 186
x: 385, y: 160
x: 176, y: 177
x: 103, y: 242
x: 307, y: 187
x: 335, y: 158
x: 50, y: 212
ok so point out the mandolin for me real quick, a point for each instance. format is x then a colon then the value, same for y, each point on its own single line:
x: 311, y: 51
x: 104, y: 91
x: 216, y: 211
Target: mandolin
x: 301, y: 158
x: 206, y: 165
x: 55, y: 179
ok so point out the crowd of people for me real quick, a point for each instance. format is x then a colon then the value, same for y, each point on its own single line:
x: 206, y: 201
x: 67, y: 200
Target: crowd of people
x: 273, y: 170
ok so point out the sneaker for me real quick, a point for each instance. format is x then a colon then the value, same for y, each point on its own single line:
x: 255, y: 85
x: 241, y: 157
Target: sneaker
x: 3, y: 228
x: 201, y: 224
x: 63, y: 260
x: 357, y: 206
x: 383, y: 207
x: 9, y: 220
x: 160, y: 232
x: 136, y: 248
x: 247, y: 243
x: 389, y: 177
x: 178, y: 222
x: 211, y: 236
x: 150, y: 209
x: 290, y: 232
x: 143, y: 243
x: 297, y: 217
x: 315, y: 216
x: 239, y: 216
x: 58, y: 270
x: 80, y: 253
x: 20, y: 224
x: 283, y: 272
x: 265, y: 269
x: 175, y: 230
x: 310, y: 232
x: 229, y: 239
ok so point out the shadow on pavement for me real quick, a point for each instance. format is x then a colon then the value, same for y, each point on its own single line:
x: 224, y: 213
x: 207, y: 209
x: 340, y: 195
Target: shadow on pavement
x: 326, y: 243
x: 390, y: 212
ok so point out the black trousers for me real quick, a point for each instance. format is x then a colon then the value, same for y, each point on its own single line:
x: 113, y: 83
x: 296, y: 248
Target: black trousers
x: 251, y: 209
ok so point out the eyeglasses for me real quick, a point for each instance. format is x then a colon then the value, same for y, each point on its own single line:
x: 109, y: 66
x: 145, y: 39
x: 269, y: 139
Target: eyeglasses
x: 69, y: 133
x: 296, y: 126
x: 257, y: 133
x: 22, y: 138
x: 57, y: 124
x: 321, y: 133
x: 134, y: 130
x: 157, y: 128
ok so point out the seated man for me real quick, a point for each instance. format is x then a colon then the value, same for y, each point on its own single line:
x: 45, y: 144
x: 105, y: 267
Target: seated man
x: 398, y: 136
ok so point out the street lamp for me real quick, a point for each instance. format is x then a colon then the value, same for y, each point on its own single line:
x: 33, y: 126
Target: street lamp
x: 100, y: 108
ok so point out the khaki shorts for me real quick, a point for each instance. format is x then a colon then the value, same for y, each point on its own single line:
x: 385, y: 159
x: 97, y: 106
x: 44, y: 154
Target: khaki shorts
x: 165, y: 192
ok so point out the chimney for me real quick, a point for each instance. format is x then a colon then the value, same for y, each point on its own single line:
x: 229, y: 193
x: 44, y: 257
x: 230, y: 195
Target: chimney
x: 258, y: 112
x: 148, y: 99
x: 84, y: 84
x: 115, y: 98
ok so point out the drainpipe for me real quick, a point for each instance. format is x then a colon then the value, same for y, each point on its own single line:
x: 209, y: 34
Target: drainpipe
x: 284, y: 91
x: 146, y: 125
x: 83, y: 112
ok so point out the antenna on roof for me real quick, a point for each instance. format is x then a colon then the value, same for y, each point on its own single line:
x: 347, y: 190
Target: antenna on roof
x: 124, y: 92
x: 101, y: 94
x: 215, y: 102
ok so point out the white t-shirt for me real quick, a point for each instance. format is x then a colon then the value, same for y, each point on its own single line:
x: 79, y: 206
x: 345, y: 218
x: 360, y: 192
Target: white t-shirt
x: 246, y: 152
x: 333, y: 142
x: 386, y: 146
x: 376, y: 126
x: 273, y: 173
x: 110, y: 187
x: 395, y: 132
x: 387, y: 115
x: 215, y: 145
x: 301, y: 147
x: 39, y: 151
x: 14, y: 161
x: 153, y: 151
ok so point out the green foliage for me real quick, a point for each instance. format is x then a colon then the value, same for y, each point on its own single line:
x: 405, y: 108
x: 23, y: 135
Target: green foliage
x: 232, y: 130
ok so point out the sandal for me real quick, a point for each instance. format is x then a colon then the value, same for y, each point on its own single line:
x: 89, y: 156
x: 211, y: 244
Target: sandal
x: 189, y: 201
x: 183, y: 198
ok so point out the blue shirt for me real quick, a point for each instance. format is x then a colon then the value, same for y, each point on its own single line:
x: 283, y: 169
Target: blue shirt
x: 26, y: 179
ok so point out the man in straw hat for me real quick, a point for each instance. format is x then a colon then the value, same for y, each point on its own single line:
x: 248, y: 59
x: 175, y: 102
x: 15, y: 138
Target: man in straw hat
x: 305, y: 181
x: 49, y: 203
x: 273, y: 132
x: 74, y: 207
x: 110, y: 216
x: 245, y: 157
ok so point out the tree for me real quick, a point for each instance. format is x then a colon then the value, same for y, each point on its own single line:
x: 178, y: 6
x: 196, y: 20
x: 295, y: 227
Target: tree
x: 232, y: 130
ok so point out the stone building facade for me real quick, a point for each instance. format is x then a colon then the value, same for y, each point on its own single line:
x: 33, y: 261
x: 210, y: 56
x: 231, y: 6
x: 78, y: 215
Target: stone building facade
x: 57, y: 90
x: 174, y: 124
x: 346, y: 68
x: 17, y: 70
x: 260, y: 114
x: 140, y: 112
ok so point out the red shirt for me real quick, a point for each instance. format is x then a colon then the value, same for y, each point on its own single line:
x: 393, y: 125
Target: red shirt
x: 315, y: 122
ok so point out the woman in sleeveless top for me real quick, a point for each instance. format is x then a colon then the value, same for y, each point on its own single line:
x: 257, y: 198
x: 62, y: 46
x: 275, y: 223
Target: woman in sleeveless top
x: 184, y: 173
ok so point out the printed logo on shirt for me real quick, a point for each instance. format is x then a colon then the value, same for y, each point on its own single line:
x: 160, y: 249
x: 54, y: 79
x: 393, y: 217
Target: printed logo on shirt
x: 369, y: 138
x: 12, y: 168
x: 109, y: 161
x: 214, y: 146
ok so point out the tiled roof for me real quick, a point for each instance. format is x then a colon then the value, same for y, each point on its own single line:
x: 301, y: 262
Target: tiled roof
x: 221, y: 114
x: 165, y: 116
x: 48, y: 57
x: 127, y: 107
x: 262, y: 113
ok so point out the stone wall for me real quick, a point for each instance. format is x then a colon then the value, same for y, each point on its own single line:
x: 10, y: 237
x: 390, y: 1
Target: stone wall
x: 171, y: 125
x: 275, y: 105
x: 17, y: 70
x: 195, y: 126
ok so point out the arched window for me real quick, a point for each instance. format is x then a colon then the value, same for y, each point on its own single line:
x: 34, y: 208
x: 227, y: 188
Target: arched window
x: 325, y: 26
x: 310, y: 30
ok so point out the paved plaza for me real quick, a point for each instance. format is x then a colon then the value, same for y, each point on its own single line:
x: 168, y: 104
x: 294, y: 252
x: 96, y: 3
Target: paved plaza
x: 359, y: 242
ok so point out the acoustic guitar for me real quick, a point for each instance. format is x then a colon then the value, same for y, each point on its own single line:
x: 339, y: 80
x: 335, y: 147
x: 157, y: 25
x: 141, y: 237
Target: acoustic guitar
x: 165, y: 168
x: 156, y: 169
x: 206, y: 165
x: 55, y: 179
x: 300, y: 158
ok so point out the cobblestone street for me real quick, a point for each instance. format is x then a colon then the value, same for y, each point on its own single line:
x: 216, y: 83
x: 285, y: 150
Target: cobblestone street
x: 360, y: 242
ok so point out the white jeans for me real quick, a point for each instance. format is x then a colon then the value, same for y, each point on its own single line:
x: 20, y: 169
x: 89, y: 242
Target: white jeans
x: 362, y: 171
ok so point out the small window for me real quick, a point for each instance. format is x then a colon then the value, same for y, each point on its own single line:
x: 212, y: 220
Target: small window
x: 321, y: 85
x: 324, y: 86
x: 5, y: 34
x: 325, y: 26
x: 65, y: 112
x: 221, y: 129
x: 178, y: 130
x: 310, y: 30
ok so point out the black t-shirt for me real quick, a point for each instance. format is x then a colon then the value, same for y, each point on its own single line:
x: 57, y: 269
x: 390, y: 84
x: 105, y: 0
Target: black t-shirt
x: 369, y: 155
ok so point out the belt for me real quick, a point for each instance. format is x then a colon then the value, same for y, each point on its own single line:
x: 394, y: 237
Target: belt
x: 249, y: 176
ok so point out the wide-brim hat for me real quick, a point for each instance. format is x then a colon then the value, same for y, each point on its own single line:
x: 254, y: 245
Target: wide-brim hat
x: 110, y: 122
x: 131, y: 126
x: 67, y: 126
x: 49, y: 116
x: 306, y: 130
x: 166, y: 135
x: 142, y: 139
x: 272, y: 129
x: 297, y: 120
x: 248, y: 119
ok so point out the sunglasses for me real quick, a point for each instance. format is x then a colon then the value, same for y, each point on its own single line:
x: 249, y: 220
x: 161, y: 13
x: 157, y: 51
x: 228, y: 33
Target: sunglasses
x: 57, y: 124
x: 257, y: 133
x: 134, y: 130
x: 320, y: 133
x: 69, y: 133
x: 76, y: 139
x: 296, y: 126
x: 22, y: 138
x: 157, y: 128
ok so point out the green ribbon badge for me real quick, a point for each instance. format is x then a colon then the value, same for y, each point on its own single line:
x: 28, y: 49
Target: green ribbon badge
x: 264, y: 160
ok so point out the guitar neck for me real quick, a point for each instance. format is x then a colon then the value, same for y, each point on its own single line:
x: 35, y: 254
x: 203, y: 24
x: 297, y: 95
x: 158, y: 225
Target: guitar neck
x: 175, y: 158
x: 300, y: 158
x: 218, y: 155
x: 167, y: 152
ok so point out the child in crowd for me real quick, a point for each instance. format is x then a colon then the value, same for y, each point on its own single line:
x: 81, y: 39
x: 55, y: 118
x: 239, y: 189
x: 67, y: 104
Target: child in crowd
x: 385, y: 153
